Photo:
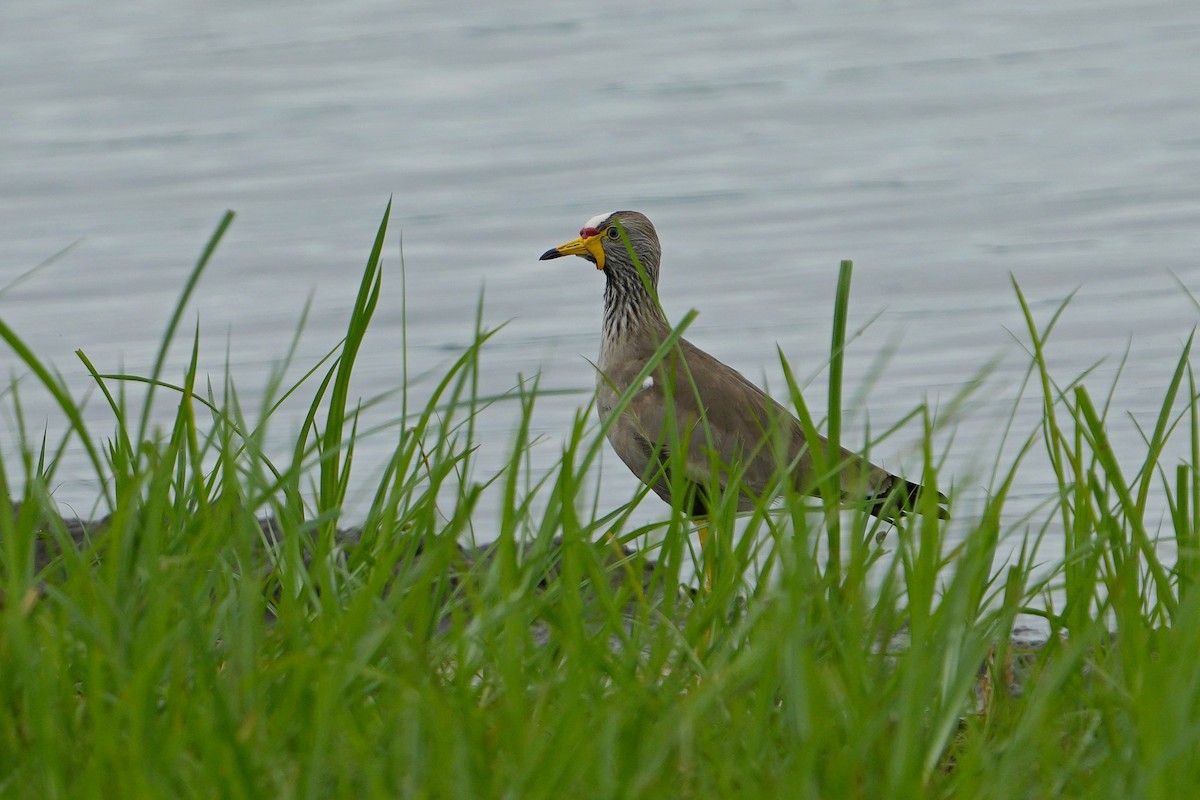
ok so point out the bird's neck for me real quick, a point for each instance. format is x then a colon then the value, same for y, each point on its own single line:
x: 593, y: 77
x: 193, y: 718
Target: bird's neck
x: 630, y: 305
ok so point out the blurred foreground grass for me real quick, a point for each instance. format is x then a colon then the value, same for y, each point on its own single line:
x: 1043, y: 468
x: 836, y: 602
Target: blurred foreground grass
x: 184, y: 649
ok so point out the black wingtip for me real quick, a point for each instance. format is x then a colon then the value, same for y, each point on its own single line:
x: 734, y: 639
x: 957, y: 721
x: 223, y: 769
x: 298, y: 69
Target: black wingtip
x: 905, y: 497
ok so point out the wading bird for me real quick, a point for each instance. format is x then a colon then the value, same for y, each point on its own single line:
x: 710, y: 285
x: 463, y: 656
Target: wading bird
x: 692, y: 400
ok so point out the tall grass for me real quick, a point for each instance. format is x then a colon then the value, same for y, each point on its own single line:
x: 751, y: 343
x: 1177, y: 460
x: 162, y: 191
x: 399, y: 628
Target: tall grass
x: 223, y: 632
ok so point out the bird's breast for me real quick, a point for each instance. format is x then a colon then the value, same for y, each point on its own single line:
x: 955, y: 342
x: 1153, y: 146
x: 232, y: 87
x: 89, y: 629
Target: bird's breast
x: 614, y: 369
x: 607, y: 394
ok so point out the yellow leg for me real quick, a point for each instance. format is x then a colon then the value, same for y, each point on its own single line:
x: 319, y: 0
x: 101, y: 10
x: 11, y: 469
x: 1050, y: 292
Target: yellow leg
x: 706, y: 560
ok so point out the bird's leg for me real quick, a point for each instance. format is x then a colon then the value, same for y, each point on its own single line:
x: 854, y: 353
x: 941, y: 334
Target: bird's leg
x: 701, y: 513
x: 702, y: 534
x: 706, y: 637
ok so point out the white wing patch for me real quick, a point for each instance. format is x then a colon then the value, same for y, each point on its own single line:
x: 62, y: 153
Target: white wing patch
x: 595, y: 221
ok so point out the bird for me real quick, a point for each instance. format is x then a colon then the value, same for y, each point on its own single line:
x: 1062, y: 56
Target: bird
x: 693, y: 401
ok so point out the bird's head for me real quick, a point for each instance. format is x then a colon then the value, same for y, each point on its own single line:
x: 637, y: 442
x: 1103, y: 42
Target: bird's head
x: 600, y: 241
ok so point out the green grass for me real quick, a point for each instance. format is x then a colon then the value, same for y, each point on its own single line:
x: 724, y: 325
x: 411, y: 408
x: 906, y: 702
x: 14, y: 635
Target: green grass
x: 178, y: 651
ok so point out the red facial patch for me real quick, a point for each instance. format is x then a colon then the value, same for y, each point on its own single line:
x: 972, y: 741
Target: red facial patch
x: 587, y: 233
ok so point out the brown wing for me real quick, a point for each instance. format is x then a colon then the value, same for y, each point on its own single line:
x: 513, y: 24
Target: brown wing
x: 717, y: 411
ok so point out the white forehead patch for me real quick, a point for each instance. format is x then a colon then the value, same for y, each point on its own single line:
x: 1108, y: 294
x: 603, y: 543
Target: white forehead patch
x: 595, y: 221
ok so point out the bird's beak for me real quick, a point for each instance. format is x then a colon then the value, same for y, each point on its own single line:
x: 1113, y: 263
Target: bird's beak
x: 590, y: 247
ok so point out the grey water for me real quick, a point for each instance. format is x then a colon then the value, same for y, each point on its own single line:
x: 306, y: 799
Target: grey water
x: 948, y: 148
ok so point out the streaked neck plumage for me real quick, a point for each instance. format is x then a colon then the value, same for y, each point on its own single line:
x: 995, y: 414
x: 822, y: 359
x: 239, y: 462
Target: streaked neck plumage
x: 630, y: 306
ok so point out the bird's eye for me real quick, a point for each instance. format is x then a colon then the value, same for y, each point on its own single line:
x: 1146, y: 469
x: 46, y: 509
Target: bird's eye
x: 613, y: 233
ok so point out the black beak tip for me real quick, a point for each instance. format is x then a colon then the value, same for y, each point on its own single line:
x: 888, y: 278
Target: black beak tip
x: 549, y: 254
